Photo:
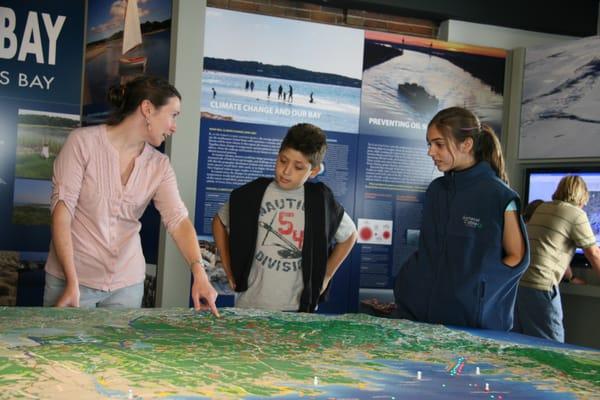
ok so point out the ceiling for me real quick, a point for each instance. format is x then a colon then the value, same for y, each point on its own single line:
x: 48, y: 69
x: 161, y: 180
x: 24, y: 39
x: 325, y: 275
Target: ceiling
x: 572, y: 18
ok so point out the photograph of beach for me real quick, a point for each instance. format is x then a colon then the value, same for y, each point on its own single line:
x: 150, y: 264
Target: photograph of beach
x: 276, y: 71
x: 406, y: 80
x: 124, y: 39
x: 561, y: 98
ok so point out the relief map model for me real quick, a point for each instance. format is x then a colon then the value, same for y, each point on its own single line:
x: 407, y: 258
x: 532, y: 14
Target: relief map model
x: 180, y: 354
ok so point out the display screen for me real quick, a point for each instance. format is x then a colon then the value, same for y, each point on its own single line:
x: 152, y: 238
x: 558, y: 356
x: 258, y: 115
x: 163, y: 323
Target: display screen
x: 541, y: 184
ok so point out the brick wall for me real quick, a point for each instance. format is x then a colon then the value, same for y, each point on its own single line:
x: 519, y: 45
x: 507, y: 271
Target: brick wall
x: 332, y: 15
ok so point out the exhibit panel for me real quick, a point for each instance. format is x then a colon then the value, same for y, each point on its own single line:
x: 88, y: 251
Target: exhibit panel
x: 42, y: 47
x: 254, y: 87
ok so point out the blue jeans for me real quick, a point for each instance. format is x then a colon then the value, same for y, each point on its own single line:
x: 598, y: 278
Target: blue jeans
x: 539, y: 313
x: 127, y: 297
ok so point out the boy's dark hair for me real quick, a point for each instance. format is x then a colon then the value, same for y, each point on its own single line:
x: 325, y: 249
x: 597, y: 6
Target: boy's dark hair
x: 309, y: 140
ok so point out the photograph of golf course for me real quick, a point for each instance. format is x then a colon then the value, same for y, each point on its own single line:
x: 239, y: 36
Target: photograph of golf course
x: 40, y: 136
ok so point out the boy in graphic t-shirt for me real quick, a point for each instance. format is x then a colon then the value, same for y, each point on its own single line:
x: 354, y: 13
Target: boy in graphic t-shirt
x: 274, y: 233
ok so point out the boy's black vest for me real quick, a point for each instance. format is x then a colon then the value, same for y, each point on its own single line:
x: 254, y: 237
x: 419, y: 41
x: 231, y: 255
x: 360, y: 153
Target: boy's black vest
x: 322, y: 217
x: 457, y: 277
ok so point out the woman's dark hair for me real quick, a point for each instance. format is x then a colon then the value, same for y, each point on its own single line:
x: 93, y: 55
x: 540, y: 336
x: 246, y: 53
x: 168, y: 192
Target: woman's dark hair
x: 125, y: 98
x: 458, y: 124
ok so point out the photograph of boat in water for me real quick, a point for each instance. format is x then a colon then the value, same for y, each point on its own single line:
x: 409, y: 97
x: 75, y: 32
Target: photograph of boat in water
x: 124, y: 39
x: 406, y: 80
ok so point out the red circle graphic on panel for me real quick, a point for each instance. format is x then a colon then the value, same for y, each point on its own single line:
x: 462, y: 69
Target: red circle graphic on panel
x: 366, y: 233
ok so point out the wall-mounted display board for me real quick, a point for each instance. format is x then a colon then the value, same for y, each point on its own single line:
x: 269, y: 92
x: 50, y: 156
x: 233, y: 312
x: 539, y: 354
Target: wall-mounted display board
x: 261, y: 76
x: 41, y: 51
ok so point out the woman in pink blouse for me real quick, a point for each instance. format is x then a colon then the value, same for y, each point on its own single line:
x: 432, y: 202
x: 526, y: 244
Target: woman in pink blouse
x: 104, y: 178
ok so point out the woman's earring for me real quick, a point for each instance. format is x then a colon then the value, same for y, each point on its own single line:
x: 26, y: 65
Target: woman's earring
x: 148, y: 124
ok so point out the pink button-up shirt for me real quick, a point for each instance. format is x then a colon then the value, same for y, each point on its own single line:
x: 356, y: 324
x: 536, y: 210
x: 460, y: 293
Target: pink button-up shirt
x: 105, y: 214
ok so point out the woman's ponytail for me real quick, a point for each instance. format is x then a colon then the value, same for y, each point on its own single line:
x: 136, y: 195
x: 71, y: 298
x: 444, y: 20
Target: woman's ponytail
x: 488, y: 148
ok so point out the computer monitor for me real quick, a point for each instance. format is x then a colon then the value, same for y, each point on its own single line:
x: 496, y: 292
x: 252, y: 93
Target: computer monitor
x: 540, y: 183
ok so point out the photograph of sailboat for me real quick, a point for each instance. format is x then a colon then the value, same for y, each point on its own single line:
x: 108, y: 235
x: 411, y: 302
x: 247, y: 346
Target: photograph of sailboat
x: 40, y: 136
x: 132, y: 41
x: 124, y: 39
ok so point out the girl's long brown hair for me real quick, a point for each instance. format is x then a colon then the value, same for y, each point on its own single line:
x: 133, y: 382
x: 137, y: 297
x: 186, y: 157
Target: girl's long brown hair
x: 458, y: 124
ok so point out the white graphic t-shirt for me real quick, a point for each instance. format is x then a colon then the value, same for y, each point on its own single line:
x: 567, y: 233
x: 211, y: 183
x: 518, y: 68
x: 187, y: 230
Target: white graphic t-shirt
x: 275, y: 279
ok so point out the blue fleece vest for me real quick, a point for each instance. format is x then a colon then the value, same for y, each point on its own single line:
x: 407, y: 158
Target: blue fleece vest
x: 458, y: 277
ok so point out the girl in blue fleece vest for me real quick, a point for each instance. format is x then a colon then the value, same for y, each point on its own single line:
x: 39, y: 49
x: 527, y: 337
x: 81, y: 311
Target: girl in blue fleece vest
x: 472, y: 246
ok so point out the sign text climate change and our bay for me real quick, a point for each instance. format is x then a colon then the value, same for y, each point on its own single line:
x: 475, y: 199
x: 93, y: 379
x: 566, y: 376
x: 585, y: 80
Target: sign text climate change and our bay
x: 176, y: 353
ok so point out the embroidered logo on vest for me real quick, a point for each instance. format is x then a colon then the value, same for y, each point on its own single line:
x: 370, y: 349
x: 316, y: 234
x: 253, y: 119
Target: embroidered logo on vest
x: 472, y: 222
